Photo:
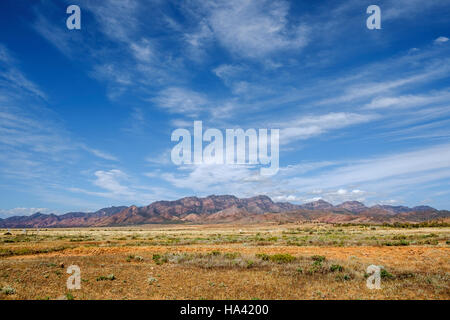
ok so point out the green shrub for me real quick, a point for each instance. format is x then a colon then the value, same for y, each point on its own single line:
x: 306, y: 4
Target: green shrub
x: 156, y: 257
x: 263, y: 256
x: 398, y: 243
x: 345, y: 277
x: 318, y: 258
x: 385, y: 274
x: 231, y: 255
x: 282, y: 258
x: 159, y: 259
x: 8, y: 290
x: 110, y: 277
x: 336, y: 267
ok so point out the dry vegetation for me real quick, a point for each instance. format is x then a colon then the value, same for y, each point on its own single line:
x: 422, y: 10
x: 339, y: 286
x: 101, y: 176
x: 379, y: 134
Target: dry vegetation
x: 269, y: 261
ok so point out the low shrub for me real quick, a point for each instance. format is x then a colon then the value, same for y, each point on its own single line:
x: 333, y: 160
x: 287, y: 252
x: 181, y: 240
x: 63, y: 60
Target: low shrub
x: 385, y: 274
x: 109, y: 277
x: 318, y: 258
x: 8, y: 290
x: 263, y: 256
x: 336, y: 267
x: 282, y: 258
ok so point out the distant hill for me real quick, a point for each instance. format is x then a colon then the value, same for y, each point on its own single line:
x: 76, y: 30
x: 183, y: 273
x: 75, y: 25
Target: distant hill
x: 227, y: 209
x: 70, y: 219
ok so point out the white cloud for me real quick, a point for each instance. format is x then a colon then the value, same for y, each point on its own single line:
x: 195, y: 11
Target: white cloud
x: 117, y: 18
x: 408, y: 101
x: 113, y: 73
x: 99, y: 153
x: 287, y: 198
x: 183, y: 101
x: 310, y: 126
x: 162, y: 158
x: 423, y: 165
x: 181, y: 123
x: 111, y: 181
x: 307, y: 200
x: 210, y: 178
x: 251, y: 28
x: 142, y: 50
x: 198, y: 41
x: 375, y: 177
x: 14, y: 78
x: 410, y: 9
x: 120, y: 186
x: 441, y: 40
x: 5, y: 213
x: 342, y: 195
x: 227, y: 71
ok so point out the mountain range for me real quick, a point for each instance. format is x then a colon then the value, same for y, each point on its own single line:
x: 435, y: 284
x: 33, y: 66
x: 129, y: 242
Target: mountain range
x: 227, y: 209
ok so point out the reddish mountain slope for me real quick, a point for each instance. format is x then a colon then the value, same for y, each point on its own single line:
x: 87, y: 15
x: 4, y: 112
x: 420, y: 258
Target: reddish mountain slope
x: 225, y: 209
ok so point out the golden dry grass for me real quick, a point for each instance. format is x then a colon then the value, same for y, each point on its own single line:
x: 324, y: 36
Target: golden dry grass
x: 30, y: 264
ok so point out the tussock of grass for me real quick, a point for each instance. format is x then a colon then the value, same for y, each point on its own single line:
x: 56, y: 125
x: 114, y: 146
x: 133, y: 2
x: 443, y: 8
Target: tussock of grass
x: 109, y: 277
x: 133, y: 257
x: 8, y: 290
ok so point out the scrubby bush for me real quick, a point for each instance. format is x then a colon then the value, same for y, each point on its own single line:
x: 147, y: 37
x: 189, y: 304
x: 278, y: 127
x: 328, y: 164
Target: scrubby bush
x: 159, y: 259
x: 263, y: 256
x: 318, y: 258
x: 336, y: 267
x: 152, y: 280
x: 231, y: 255
x: 109, y: 277
x: 385, y: 274
x: 8, y: 290
x: 282, y: 258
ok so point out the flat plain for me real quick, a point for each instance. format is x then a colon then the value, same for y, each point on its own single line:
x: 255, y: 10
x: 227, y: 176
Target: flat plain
x: 227, y: 261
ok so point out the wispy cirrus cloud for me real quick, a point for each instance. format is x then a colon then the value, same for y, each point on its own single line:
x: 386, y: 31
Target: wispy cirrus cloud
x: 120, y: 186
x: 335, y: 181
x: 249, y: 29
x: 409, y: 101
x: 309, y: 126
x: 33, y: 143
x: 180, y: 100
x: 422, y: 164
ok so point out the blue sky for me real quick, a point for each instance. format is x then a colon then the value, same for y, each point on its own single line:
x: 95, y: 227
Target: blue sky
x: 86, y: 115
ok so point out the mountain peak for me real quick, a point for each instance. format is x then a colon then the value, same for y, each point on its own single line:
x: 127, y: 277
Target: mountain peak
x: 353, y: 206
x: 317, y: 205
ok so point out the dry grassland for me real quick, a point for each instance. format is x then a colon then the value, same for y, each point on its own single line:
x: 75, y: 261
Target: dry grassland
x: 269, y: 261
